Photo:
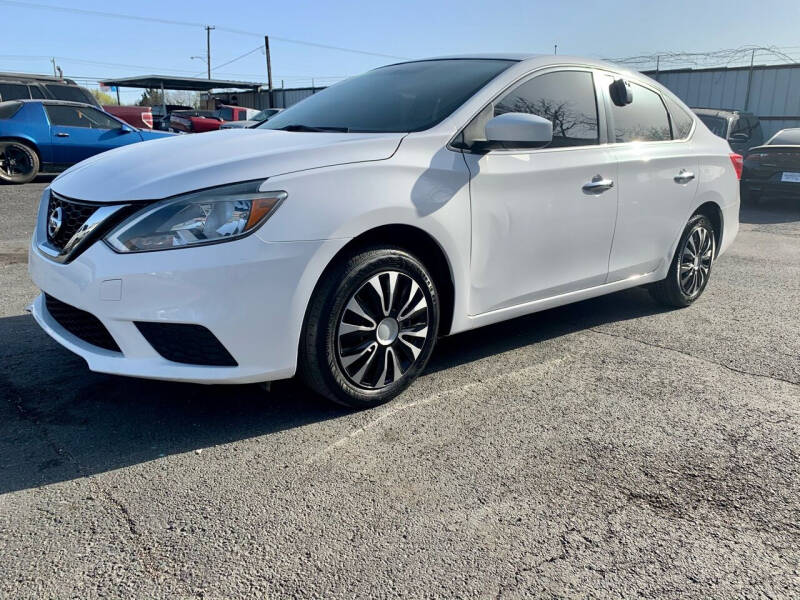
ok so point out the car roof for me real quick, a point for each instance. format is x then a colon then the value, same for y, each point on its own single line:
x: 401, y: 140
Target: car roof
x: 49, y: 101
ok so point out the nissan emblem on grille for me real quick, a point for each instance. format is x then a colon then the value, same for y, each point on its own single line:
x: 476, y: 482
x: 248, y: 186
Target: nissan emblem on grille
x: 54, y: 222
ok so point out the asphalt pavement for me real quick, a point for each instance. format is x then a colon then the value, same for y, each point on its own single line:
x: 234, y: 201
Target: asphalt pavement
x: 612, y: 448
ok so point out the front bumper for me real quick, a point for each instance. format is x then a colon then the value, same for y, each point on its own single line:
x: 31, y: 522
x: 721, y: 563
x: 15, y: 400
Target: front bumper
x: 249, y: 293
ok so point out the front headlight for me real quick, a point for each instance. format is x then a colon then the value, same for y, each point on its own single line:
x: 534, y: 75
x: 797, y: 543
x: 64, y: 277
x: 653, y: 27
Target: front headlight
x: 205, y: 217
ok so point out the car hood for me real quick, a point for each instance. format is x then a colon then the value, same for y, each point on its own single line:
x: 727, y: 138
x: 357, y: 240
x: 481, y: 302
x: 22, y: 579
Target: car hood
x: 177, y: 164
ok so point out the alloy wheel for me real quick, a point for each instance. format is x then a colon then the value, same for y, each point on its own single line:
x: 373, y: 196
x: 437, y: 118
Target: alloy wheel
x: 382, y: 329
x: 695, y: 262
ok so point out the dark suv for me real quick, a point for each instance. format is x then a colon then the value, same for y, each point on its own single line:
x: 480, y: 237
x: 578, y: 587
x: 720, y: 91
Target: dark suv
x: 21, y: 86
x: 741, y: 129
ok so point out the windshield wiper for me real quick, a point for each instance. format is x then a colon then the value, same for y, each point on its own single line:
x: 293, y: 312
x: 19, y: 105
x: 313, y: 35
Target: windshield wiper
x: 310, y: 128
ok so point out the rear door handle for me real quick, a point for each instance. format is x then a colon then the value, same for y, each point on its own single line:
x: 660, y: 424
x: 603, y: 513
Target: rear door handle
x: 62, y: 134
x: 598, y: 185
x: 684, y: 176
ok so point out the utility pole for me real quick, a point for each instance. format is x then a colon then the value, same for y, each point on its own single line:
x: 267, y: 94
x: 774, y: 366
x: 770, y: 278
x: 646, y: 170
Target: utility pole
x: 208, y: 47
x: 658, y: 64
x: 53, y: 60
x: 555, y: 49
x: 749, y: 80
x: 269, y: 70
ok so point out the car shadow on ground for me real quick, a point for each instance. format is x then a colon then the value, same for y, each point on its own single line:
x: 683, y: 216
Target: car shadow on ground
x: 770, y: 211
x: 59, y: 421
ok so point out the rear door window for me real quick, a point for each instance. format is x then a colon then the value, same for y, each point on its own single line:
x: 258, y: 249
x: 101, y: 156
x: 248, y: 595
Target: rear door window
x: 36, y: 92
x: 643, y: 120
x: 73, y: 93
x: 13, y: 91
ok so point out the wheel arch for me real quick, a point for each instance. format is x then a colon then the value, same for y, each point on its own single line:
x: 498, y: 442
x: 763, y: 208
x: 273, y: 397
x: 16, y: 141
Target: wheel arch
x: 27, y: 141
x: 422, y: 245
x: 713, y: 212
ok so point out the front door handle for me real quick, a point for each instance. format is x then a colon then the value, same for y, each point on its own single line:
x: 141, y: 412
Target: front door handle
x: 598, y: 185
x: 62, y: 134
x: 684, y: 176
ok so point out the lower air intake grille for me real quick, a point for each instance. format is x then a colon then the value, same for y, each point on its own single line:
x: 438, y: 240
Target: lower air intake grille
x: 80, y: 323
x: 188, y: 344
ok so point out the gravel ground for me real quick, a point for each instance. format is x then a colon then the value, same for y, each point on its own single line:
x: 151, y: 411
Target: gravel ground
x: 611, y: 448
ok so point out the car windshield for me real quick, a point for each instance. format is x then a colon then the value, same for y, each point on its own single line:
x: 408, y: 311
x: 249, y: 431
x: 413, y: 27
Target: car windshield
x: 399, y: 98
x: 717, y: 125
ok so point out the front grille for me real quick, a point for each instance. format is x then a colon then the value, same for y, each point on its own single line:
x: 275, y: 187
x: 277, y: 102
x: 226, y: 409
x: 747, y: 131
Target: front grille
x: 73, y: 215
x: 188, y: 344
x: 80, y: 323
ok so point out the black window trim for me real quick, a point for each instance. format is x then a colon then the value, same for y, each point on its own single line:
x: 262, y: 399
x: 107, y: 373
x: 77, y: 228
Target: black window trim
x: 599, y: 103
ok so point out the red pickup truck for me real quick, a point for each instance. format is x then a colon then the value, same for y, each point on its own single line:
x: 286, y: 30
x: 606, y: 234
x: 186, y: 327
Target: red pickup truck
x: 197, y: 121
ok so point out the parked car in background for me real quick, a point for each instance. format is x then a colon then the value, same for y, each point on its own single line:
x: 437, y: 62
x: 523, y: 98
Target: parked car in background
x: 199, y: 121
x: 140, y: 117
x: 773, y: 170
x: 259, y: 117
x: 22, y: 86
x: 162, y: 113
x: 741, y: 129
x: 47, y: 136
x: 339, y: 243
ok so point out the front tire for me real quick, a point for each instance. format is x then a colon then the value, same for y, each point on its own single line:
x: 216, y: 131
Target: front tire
x: 691, y: 265
x: 19, y: 163
x: 370, y: 328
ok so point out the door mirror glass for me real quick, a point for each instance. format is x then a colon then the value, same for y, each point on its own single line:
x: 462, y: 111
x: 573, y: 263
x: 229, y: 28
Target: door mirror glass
x: 519, y: 130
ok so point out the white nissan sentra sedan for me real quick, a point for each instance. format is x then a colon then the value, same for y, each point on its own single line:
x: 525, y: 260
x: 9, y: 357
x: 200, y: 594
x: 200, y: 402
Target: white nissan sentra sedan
x: 340, y: 238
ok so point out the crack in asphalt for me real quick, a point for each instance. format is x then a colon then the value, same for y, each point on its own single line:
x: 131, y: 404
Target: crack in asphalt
x: 689, y: 354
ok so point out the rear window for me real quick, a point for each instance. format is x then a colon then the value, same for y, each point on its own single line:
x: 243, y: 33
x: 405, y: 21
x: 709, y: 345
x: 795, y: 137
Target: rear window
x: 73, y: 93
x: 644, y: 120
x: 9, y: 109
x: 13, y: 91
x: 785, y: 137
x: 717, y: 125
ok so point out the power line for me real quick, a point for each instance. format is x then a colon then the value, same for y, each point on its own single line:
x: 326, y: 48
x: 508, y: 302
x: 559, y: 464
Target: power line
x: 112, y: 15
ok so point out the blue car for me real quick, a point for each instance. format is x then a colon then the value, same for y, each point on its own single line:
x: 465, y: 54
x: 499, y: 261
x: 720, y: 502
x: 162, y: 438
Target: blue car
x: 47, y: 136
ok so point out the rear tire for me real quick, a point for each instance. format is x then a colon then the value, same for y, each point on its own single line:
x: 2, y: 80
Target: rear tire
x: 691, y: 265
x: 19, y: 163
x: 370, y: 328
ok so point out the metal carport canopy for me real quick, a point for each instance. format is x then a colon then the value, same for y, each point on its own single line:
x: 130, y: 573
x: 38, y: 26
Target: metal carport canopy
x: 193, y: 84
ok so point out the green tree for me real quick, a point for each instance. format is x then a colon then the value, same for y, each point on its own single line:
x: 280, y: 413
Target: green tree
x: 103, y: 98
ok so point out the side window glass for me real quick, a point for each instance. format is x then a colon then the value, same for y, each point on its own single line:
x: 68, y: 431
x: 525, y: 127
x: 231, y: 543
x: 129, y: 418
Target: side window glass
x: 36, y: 92
x: 78, y: 116
x: 644, y: 120
x: 226, y: 114
x: 681, y: 120
x: 13, y: 91
x: 99, y: 120
x: 565, y: 98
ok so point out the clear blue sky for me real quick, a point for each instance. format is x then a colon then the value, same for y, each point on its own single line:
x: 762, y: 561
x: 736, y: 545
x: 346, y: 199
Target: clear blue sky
x: 405, y: 28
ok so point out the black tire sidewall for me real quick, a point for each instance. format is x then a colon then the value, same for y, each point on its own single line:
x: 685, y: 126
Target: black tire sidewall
x: 20, y: 179
x: 322, y: 353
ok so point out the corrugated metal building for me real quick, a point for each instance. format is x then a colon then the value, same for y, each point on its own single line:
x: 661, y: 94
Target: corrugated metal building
x: 281, y: 97
x: 772, y: 92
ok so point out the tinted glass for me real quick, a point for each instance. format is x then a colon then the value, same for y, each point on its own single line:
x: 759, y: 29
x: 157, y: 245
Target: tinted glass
x: 73, y: 93
x: 36, y: 92
x: 226, y: 114
x: 786, y: 137
x: 76, y: 116
x: 566, y: 99
x: 13, y: 91
x: 742, y: 125
x: 681, y: 120
x: 644, y: 120
x: 717, y: 125
x: 9, y: 109
x: 406, y: 97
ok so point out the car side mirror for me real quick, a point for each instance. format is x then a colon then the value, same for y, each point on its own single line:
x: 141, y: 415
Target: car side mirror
x: 620, y: 92
x: 125, y: 129
x: 519, y: 130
